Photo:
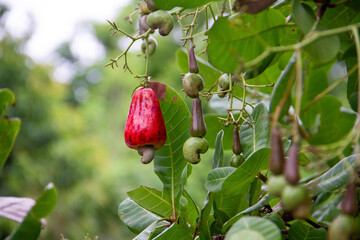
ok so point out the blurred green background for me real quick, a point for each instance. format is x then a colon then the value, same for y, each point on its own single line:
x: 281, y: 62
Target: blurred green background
x: 72, y: 133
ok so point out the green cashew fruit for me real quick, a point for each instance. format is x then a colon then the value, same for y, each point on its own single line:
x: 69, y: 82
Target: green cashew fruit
x: 224, y: 82
x: 192, y: 84
x: 152, y: 46
x: 342, y: 228
x: 293, y: 196
x: 237, y: 160
x: 162, y: 20
x: 193, y: 147
x: 276, y: 185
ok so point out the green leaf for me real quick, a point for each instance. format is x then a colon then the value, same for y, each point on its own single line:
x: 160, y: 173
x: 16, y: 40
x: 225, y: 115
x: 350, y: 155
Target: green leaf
x: 216, y: 178
x: 303, y: 159
x: 353, y: 80
x: 239, y: 181
x: 253, y: 228
x: 203, y: 225
x: 335, y: 122
x: 30, y: 228
x: 152, y: 200
x: 334, y: 178
x: 302, y: 231
x: 285, y: 80
x: 321, y: 50
x: 6, y: 97
x: 275, y: 217
x: 9, y: 129
x: 303, y: 16
x: 136, y: 217
x: 324, y: 49
x: 328, y: 210
x: 165, y: 4
x: 239, y: 43
x: 146, y: 233
x: 192, y: 210
x: 45, y: 203
x: 209, y: 74
x: 256, y: 137
x: 219, y: 151
x: 175, y: 232
x: 265, y: 200
x: 169, y: 161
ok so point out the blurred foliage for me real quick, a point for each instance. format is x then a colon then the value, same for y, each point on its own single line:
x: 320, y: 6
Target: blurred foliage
x: 72, y: 134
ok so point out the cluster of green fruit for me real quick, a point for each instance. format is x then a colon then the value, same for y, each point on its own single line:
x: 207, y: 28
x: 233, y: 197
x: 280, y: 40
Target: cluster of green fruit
x: 192, y: 84
x: 152, y: 19
x: 284, y: 184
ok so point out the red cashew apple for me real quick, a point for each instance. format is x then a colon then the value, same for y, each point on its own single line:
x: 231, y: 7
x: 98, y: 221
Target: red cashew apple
x: 145, y: 128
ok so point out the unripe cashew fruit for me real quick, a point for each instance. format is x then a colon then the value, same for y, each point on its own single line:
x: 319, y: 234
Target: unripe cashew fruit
x: 224, y: 82
x: 193, y: 66
x: 342, y: 228
x: 193, y: 147
x: 276, y: 185
x: 277, y: 159
x: 293, y: 196
x: 350, y: 200
x: 192, y: 84
x: 152, y: 46
x: 292, y: 166
x: 236, y: 142
x: 151, y: 5
x: 162, y: 20
x: 237, y: 160
x: 198, y: 126
x: 143, y: 27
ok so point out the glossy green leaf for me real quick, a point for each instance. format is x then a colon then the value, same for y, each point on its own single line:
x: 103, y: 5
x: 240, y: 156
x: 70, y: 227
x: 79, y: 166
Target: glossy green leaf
x: 261, y: 203
x: 285, y: 80
x: 303, y: 16
x: 165, y: 4
x: 303, y: 231
x: 152, y: 200
x: 216, y: 178
x: 169, y: 161
x: 328, y: 210
x: 146, y: 233
x: 9, y: 129
x: 239, y: 181
x: 353, y: 80
x: 6, y: 97
x: 324, y: 49
x: 203, y: 225
x: 175, y: 232
x: 30, y: 228
x: 192, y: 210
x: 257, y: 136
x: 334, y: 178
x: 253, y: 228
x: 275, y: 217
x: 244, y: 41
x: 136, y: 217
x: 335, y: 122
x: 321, y: 50
x: 218, y: 160
x: 45, y: 203
x: 207, y: 72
